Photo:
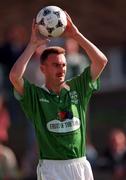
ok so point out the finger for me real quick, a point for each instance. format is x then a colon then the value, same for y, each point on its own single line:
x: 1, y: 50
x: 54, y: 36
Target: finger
x: 44, y: 38
x: 33, y: 24
x: 68, y: 16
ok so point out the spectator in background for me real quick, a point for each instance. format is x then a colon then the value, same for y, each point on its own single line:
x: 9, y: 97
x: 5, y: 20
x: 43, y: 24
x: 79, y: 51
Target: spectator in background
x: 8, y: 162
x: 29, y: 163
x: 80, y: 60
x: 15, y: 40
x: 114, y: 158
x: 1, y: 77
x: 91, y: 153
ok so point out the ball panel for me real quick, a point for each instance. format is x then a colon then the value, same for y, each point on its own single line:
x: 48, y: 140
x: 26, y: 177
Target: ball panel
x: 57, y: 32
x: 39, y: 16
x: 43, y: 30
x: 46, y: 12
x: 51, y: 20
x: 63, y: 17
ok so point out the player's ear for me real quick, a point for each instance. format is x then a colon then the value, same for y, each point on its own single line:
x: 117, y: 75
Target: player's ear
x: 42, y: 68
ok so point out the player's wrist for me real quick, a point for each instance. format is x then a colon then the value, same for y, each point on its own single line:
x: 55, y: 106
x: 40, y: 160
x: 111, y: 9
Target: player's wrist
x: 75, y: 33
x: 33, y: 44
x: 32, y: 47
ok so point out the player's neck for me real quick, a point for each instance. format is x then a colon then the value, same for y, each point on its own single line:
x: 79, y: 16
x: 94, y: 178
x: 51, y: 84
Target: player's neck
x: 56, y: 88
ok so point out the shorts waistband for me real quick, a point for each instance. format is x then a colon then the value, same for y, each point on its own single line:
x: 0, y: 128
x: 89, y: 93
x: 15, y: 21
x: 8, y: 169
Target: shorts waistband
x: 68, y: 161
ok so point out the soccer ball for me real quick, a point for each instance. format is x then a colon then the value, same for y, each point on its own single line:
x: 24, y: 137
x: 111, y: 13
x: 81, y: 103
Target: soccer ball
x: 51, y: 21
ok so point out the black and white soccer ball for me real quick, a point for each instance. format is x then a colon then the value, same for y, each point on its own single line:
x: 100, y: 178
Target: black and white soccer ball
x: 52, y: 21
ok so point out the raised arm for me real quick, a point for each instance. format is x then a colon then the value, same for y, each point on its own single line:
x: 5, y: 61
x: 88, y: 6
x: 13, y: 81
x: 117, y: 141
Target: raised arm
x: 97, y: 58
x: 18, y: 69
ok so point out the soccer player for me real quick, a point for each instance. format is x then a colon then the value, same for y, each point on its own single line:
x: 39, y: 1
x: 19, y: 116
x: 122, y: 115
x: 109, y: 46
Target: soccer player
x: 58, y: 108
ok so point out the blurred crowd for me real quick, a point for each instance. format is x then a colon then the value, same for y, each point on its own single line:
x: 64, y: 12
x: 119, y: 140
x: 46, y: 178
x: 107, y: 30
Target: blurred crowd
x: 18, y: 163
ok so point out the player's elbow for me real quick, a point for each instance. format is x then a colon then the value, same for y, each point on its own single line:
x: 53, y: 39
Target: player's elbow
x: 104, y: 61
x: 12, y: 77
x: 17, y: 82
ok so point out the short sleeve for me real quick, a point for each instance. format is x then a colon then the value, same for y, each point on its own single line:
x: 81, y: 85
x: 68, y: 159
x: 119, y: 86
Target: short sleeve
x: 27, y: 99
x: 89, y: 84
x: 84, y: 85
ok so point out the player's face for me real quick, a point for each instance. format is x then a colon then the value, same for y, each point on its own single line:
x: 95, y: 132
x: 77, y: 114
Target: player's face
x: 54, y: 69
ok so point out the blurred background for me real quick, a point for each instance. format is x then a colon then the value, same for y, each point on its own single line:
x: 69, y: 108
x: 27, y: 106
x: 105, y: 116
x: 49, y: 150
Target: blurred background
x: 103, y: 23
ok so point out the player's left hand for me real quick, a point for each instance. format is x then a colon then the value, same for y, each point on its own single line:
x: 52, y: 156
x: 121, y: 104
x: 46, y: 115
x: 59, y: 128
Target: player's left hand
x: 71, y: 30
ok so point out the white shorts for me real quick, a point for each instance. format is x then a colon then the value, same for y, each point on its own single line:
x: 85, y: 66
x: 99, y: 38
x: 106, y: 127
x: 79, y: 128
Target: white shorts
x: 73, y: 169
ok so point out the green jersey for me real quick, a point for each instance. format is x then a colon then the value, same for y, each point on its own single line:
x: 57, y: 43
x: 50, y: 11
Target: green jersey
x: 59, y: 120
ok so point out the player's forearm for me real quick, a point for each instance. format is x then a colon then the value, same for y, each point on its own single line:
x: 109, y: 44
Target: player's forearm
x: 20, y: 65
x: 94, y: 54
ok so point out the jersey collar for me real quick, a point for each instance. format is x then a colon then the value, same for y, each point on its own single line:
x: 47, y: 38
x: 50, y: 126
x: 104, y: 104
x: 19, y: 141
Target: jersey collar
x: 66, y: 87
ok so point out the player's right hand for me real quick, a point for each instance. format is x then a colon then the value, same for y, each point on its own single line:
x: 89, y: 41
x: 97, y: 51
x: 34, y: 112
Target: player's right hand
x: 36, y: 38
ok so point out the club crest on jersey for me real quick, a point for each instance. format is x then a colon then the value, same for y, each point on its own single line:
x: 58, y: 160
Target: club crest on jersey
x: 74, y: 97
x: 62, y: 115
